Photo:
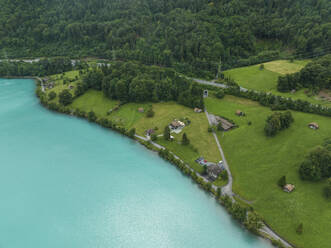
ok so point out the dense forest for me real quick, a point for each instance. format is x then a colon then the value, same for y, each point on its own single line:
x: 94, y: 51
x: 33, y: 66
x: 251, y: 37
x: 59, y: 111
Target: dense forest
x: 315, y: 75
x: 133, y: 82
x: 189, y: 35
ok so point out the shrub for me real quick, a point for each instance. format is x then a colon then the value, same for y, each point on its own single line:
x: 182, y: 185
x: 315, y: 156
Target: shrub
x: 185, y: 140
x: 166, y: 133
x: 51, y: 95
x: 132, y: 132
x: 300, y: 229
x: 91, y: 116
x: 220, y: 94
x: 327, y: 190
x: 65, y: 98
x: 150, y: 113
x: 153, y: 137
x: 224, y: 175
x: 282, y: 181
x: 262, y: 67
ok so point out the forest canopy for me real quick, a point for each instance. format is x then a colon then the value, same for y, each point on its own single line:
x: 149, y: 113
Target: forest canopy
x: 191, y: 36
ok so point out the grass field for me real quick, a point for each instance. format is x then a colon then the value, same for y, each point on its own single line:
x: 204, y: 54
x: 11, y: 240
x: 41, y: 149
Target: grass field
x: 257, y: 162
x: 202, y: 142
x: 251, y: 77
x: 94, y: 100
x: 128, y: 116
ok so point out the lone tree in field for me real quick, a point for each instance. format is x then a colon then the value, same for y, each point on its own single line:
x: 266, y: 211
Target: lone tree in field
x: 300, y: 229
x: 150, y: 113
x: 185, y: 140
x: 65, y: 97
x: 282, y: 182
x: 166, y: 133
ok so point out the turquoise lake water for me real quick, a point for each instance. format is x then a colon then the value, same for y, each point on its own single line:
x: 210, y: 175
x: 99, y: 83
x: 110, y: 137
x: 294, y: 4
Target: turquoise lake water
x: 67, y: 183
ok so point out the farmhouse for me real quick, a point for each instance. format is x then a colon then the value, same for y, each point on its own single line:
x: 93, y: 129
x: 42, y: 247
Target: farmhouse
x: 197, y: 110
x: 213, y: 171
x: 149, y: 132
x: 289, y: 188
x: 176, y: 125
x: 313, y: 125
x: 226, y: 125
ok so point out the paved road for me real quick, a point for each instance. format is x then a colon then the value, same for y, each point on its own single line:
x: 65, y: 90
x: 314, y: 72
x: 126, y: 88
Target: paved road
x: 212, y: 83
x: 227, y: 189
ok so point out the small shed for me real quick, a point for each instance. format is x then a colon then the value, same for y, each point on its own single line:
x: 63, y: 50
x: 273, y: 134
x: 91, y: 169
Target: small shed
x: 289, y: 188
x: 213, y: 171
x: 197, y: 110
x: 313, y: 125
x: 177, y: 124
x: 141, y: 110
x: 240, y: 113
x: 226, y: 125
x: 71, y: 87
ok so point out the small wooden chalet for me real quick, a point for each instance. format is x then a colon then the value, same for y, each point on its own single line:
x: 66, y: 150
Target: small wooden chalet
x: 313, y: 125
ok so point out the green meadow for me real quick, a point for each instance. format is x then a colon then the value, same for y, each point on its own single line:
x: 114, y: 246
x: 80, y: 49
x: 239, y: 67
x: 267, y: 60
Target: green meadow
x: 257, y: 162
x: 253, y: 78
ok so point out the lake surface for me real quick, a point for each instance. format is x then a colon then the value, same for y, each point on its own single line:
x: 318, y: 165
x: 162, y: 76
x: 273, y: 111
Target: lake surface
x: 67, y: 183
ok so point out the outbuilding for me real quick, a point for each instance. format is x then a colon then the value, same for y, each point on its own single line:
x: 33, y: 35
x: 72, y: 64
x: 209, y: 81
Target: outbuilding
x: 289, y: 188
x: 213, y: 171
x: 141, y: 110
x: 240, y: 113
x: 313, y: 125
x: 197, y: 110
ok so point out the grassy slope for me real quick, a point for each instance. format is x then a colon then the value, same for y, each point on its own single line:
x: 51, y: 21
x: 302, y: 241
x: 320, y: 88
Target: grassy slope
x: 196, y: 132
x: 257, y: 162
x: 251, y: 77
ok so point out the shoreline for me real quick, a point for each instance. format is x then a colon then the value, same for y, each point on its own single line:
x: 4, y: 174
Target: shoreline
x: 217, y: 192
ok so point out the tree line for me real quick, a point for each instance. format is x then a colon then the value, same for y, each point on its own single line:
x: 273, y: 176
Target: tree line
x: 316, y: 75
x: 188, y: 35
x: 133, y: 82
x: 42, y: 67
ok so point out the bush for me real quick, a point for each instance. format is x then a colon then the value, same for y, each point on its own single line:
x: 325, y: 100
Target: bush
x: 65, y: 98
x: 153, y: 137
x: 262, y: 67
x: 166, y: 133
x: 219, y: 127
x: 220, y: 94
x: 282, y: 181
x: 224, y: 175
x: 91, y: 116
x: 150, y: 113
x: 185, y: 140
x: 300, y: 229
x: 132, y: 132
x: 51, y: 95
x: 327, y: 190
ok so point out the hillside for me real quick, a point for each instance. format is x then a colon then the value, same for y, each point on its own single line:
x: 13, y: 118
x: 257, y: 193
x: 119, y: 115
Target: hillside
x: 190, y: 35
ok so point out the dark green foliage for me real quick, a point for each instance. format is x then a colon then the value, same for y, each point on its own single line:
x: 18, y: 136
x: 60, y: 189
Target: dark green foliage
x: 317, y: 165
x: 154, y: 137
x: 224, y: 175
x: 132, y: 132
x: 166, y: 133
x: 315, y: 75
x: 327, y: 190
x: 185, y: 140
x: 51, y: 95
x: 190, y: 36
x: 282, y: 182
x: 65, y: 98
x: 93, y: 79
x: 300, y: 229
x: 277, y: 122
x: 220, y: 94
x: 132, y: 82
x: 91, y: 116
x: 150, y: 113
x: 253, y: 222
x: 262, y: 67
x: 40, y: 68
